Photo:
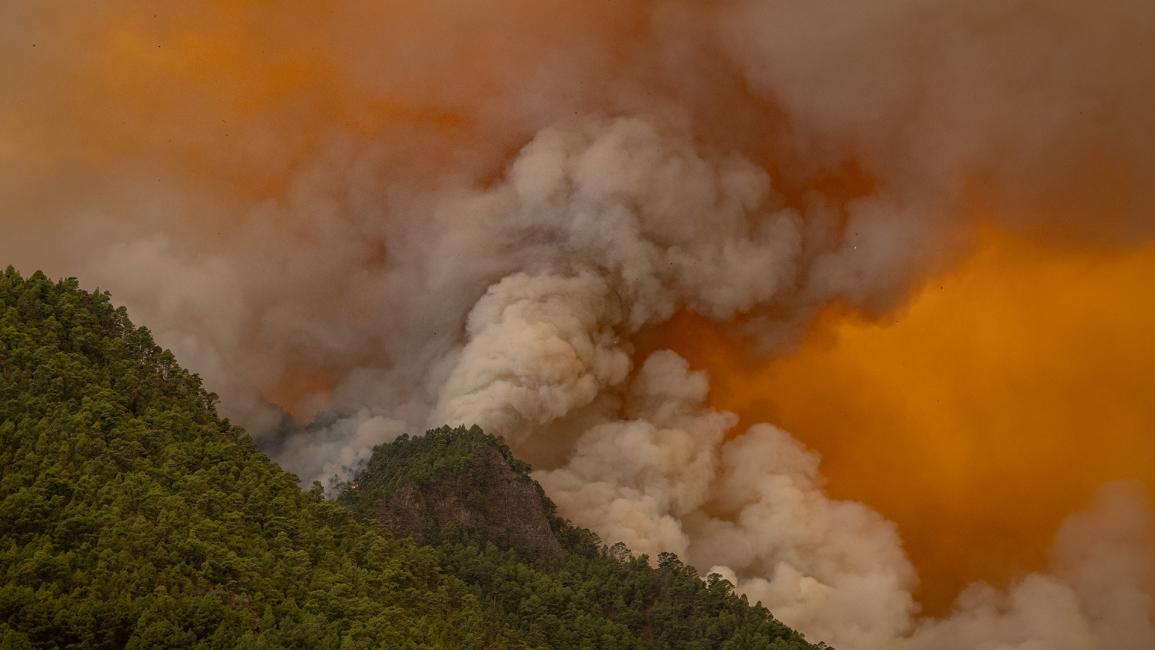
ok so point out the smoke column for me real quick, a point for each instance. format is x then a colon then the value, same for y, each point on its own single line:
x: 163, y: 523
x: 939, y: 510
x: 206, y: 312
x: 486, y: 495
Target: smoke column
x: 1017, y: 378
x: 370, y: 218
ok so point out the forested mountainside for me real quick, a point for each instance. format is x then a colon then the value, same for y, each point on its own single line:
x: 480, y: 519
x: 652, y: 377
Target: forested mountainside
x: 493, y: 526
x: 131, y: 515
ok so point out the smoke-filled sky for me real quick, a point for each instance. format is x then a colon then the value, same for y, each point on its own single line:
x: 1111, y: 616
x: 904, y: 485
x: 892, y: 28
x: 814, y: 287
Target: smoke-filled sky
x: 849, y: 302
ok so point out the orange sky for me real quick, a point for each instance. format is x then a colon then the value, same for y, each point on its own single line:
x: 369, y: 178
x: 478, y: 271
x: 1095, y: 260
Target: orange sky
x: 979, y: 416
x: 976, y: 418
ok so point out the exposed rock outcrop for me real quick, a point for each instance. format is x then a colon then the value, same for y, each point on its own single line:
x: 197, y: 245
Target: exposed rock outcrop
x: 456, y: 483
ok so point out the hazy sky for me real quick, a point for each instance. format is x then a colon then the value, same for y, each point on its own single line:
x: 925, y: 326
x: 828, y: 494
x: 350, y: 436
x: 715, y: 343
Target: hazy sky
x: 825, y: 296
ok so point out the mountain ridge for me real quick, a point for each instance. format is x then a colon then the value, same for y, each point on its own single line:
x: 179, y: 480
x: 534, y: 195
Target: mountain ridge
x: 132, y: 515
x: 456, y: 483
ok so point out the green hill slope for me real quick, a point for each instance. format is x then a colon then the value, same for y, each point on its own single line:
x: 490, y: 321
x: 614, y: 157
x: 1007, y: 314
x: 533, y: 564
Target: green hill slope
x: 131, y: 515
x: 496, y: 529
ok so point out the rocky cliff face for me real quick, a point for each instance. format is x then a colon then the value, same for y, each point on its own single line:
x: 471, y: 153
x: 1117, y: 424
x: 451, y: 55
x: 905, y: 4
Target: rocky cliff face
x: 456, y: 483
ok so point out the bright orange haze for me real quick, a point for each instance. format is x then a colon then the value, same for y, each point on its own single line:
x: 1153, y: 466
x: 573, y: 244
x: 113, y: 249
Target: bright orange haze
x: 979, y: 416
x: 976, y: 418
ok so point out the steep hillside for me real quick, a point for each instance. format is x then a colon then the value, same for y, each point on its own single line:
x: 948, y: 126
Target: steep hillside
x: 456, y: 485
x: 131, y: 515
x: 497, y: 530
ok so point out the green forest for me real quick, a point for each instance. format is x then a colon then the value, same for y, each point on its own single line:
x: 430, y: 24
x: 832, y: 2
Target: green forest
x: 133, y: 516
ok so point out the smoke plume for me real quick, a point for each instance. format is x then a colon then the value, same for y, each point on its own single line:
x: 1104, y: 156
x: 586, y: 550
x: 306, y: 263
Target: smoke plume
x: 367, y: 218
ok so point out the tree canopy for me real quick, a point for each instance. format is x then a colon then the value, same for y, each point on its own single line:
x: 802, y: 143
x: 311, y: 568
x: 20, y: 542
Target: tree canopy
x: 132, y: 515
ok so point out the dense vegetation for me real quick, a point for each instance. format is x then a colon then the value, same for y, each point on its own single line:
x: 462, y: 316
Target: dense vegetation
x: 592, y: 593
x: 131, y: 515
x: 415, y: 460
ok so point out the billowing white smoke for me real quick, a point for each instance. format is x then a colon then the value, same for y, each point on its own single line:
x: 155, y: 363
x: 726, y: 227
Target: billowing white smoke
x: 1100, y: 595
x: 630, y: 223
x: 546, y: 355
x: 664, y: 478
x: 428, y: 292
x: 619, y: 224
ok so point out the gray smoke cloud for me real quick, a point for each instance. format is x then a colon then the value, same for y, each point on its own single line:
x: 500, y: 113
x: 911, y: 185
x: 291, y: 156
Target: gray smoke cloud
x: 476, y: 231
